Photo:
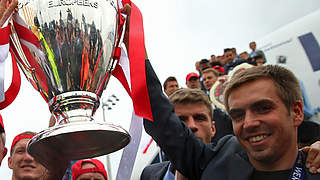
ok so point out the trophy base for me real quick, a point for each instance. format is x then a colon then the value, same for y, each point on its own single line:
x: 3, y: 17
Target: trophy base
x: 77, y: 141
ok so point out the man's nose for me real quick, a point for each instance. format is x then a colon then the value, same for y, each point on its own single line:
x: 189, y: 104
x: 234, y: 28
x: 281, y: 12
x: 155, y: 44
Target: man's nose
x: 250, y: 121
x: 191, y: 123
x: 28, y: 157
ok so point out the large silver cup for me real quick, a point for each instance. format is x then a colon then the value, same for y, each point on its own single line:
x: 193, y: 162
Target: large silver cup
x: 70, y: 69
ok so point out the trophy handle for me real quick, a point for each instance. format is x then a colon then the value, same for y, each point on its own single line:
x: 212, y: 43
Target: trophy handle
x: 122, y: 20
x: 22, y: 59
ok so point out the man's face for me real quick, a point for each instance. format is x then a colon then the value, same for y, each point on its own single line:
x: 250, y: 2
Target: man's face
x: 244, y: 56
x: 23, y: 165
x: 198, y: 66
x: 197, y: 118
x: 3, y: 150
x: 193, y: 83
x: 229, y: 56
x: 204, y: 66
x: 172, y: 86
x: 262, y: 123
x: 209, y: 78
x: 213, y: 59
x: 252, y: 46
x: 90, y: 175
x: 259, y: 61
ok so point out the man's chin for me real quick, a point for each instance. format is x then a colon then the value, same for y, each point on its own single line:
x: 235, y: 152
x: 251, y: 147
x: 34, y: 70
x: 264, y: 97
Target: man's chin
x: 261, y: 156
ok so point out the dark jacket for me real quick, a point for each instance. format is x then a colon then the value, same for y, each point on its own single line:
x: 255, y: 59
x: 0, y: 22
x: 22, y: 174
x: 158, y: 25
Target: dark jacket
x: 223, y: 124
x: 155, y: 171
x: 225, y: 161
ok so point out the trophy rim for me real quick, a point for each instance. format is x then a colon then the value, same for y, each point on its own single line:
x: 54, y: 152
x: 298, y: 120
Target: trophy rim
x: 77, y: 141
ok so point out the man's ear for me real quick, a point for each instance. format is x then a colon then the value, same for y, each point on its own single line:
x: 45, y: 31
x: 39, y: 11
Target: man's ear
x: 297, y: 113
x: 10, y: 165
x: 213, y: 128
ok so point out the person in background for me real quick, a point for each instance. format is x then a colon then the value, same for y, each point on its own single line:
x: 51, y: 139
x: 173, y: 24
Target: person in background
x: 170, y: 85
x: 231, y: 60
x: 256, y: 52
x: 193, y: 81
x: 210, y: 76
x: 214, y: 61
x: 89, y: 169
x: 194, y: 109
x: 258, y: 60
x: 244, y: 55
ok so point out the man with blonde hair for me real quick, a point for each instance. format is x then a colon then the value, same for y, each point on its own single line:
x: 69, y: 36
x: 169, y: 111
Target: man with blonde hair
x: 23, y: 165
x: 209, y: 76
x: 265, y: 121
x: 193, y: 108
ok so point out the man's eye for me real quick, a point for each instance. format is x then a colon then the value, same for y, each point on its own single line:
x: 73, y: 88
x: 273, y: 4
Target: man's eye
x: 182, y: 118
x: 200, y: 117
x: 263, y: 109
x: 237, y: 116
x: 20, y: 151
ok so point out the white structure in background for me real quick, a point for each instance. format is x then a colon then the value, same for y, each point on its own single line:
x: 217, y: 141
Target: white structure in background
x: 296, y: 46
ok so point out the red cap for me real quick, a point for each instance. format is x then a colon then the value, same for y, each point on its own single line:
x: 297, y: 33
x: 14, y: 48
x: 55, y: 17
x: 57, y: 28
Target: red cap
x: 19, y: 137
x: 219, y: 68
x: 77, y: 168
x: 190, y: 75
x: 1, y: 124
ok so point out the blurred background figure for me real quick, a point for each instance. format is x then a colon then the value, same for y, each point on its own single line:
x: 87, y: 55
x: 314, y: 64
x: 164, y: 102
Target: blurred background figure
x: 89, y: 169
x: 210, y: 76
x: 170, y: 85
x: 256, y: 52
x: 193, y: 81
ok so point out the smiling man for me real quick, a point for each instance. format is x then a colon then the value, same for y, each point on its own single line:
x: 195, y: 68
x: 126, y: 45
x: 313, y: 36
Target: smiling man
x: 265, y: 105
x: 21, y: 162
x: 266, y: 108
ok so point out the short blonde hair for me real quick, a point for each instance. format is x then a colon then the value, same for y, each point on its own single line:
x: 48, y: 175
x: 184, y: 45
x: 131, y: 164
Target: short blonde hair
x: 187, y: 95
x: 287, y: 86
x: 215, y: 72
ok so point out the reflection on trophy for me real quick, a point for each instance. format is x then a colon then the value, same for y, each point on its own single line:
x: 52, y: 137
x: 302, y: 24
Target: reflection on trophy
x: 216, y: 92
x: 67, y: 56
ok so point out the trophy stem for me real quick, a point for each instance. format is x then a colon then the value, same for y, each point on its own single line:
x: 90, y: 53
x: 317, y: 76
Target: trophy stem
x: 76, y: 135
x: 74, y: 106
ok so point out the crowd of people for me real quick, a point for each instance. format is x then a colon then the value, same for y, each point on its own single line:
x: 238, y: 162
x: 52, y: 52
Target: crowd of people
x: 255, y: 137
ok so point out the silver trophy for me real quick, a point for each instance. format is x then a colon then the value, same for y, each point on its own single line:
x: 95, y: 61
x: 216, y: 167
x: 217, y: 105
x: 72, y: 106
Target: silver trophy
x: 70, y: 67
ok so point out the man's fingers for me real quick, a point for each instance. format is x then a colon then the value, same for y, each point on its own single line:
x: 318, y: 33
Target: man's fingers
x: 2, y: 7
x: 126, y: 9
x: 306, y: 149
x: 312, y: 153
x: 313, y: 157
x: 5, y: 13
x: 315, y: 164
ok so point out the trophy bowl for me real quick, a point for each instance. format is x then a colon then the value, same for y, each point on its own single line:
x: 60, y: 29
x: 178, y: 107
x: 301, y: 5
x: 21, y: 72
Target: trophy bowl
x: 65, y: 48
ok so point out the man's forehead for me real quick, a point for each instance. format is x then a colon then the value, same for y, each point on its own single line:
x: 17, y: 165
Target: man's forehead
x: 22, y: 143
x: 172, y: 83
x: 259, y: 90
x: 208, y: 73
x: 196, y: 107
